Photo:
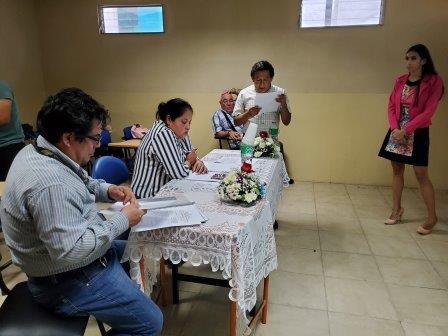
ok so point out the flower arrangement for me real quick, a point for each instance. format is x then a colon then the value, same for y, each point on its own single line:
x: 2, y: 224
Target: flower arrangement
x: 241, y: 186
x: 265, y: 146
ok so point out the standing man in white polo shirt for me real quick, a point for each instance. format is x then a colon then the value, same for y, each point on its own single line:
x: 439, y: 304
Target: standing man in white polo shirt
x: 246, y: 111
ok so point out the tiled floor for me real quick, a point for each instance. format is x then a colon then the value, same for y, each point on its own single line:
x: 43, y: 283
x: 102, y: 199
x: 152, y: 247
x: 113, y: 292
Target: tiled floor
x: 341, y: 271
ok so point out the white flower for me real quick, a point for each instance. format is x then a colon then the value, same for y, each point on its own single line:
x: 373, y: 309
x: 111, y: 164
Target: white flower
x: 257, y: 154
x: 250, y: 197
x: 262, y: 145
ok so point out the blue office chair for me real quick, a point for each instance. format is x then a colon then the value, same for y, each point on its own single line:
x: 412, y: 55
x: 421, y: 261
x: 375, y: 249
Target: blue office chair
x: 110, y: 169
x: 105, y: 139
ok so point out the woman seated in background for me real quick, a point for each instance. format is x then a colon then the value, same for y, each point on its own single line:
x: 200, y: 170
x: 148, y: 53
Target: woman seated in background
x: 166, y: 152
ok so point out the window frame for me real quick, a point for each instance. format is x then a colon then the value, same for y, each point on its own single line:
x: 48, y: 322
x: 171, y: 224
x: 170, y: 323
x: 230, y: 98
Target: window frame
x: 381, y: 20
x: 101, y: 18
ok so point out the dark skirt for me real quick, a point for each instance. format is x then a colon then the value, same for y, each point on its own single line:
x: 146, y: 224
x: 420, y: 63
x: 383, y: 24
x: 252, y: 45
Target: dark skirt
x: 420, y: 150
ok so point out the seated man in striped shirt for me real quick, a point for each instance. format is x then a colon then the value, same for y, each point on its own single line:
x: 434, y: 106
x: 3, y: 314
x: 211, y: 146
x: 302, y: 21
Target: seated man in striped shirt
x: 53, y: 228
x: 223, y: 124
x: 166, y: 152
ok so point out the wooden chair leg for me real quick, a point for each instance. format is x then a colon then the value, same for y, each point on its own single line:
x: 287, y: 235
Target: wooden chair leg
x: 232, y: 322
x: 142, y: 272
x: 175, y: 281
x: 163, y: 282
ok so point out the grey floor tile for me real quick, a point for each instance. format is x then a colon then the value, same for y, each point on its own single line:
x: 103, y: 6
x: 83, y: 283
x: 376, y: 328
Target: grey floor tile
x: 300, y: 239
x: 298, y: 290
x: 435, y: 250
x: 336, y: 210
x: 353, y: 325
x: 298, y: 260
x: 415, y: 329
x: 364, y: 298
x: 350, y: 266
x: 285, y: 320
x: 420, y: 305
x: 409, y: 272
x: 375, y: 226
x: 390, y: 246
x: 329, y: 223
x: 344, y: 242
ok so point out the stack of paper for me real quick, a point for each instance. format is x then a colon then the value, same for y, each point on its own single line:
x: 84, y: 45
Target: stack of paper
x: 163, y: 212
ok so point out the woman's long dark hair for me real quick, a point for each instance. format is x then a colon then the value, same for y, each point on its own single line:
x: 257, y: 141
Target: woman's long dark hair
x: 428, y: 68
x: 423, y: 52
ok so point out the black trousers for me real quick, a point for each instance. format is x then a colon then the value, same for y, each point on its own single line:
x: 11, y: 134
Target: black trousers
x: 7, y: 155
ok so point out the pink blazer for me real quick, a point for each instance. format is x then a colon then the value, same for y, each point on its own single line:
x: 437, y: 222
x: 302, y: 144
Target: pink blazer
x: 420, y: 114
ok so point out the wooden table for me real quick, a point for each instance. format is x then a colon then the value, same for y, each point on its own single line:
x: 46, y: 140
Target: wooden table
x: 127, y: 145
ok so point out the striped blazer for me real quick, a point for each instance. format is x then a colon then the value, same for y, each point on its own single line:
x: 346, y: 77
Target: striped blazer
x: 160, y: 158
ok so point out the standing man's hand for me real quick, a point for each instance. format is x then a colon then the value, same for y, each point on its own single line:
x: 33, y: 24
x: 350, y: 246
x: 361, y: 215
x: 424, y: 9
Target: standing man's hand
x: 121, y: 193
x: 253, y: 111
x: 133, y: 213
x: 281, y: 98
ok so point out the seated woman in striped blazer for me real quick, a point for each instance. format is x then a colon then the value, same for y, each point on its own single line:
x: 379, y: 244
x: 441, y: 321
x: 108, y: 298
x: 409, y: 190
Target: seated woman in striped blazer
x: 166, y: 152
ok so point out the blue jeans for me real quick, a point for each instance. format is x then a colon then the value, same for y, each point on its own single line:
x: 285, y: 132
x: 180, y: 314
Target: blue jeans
x: 104, y: 290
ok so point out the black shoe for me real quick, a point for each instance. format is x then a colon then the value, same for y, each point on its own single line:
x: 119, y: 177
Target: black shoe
x: 275, y: 226
x: 291, y: 181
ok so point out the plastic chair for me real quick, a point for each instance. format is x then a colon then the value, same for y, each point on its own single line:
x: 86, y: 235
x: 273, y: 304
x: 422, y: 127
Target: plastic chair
x: 110, y: 169
x: 21, y: 315
x: 223, y: 142
x: 127, y: 135
x: 105, y: 139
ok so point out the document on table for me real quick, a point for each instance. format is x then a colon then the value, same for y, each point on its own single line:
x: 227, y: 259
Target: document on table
x: 162, y: 212
x: 222, y: 166
x: 169, y: 217
x: 267, y: 101
x: 211, y: 176
x: 145, y: 204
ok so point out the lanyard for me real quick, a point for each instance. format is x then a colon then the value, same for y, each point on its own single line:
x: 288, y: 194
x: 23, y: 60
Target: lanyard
x: 79, y: 172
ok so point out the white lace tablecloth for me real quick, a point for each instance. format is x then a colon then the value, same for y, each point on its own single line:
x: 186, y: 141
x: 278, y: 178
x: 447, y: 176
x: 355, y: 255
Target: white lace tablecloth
x: 237, y: 240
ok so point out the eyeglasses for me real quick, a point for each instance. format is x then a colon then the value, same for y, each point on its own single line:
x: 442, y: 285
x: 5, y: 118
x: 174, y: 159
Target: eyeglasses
x: 225, y: 101
x: 97, y: 138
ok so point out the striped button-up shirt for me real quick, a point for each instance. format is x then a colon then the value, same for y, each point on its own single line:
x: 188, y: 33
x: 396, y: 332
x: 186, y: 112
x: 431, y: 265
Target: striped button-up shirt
x: 49, y: 216
x: 160, y: 158
x: 220, y: 123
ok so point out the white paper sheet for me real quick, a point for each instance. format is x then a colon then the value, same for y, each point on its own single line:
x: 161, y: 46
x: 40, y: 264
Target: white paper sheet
x: 170, y: 217
x: 144, y: 203
x: 267, y: 101
x: 211, y: 176
x: 221, y: 166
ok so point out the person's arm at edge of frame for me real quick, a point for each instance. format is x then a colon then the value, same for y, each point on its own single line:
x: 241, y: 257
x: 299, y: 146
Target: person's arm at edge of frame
x: 5, y: 111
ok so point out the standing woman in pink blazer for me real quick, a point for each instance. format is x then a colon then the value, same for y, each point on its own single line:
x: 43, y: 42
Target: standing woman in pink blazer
x: 412, y: 103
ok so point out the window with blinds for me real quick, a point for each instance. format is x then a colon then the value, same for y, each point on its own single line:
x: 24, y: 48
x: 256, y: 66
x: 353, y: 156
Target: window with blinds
x: 339, y: 13
x: 131, y: 19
